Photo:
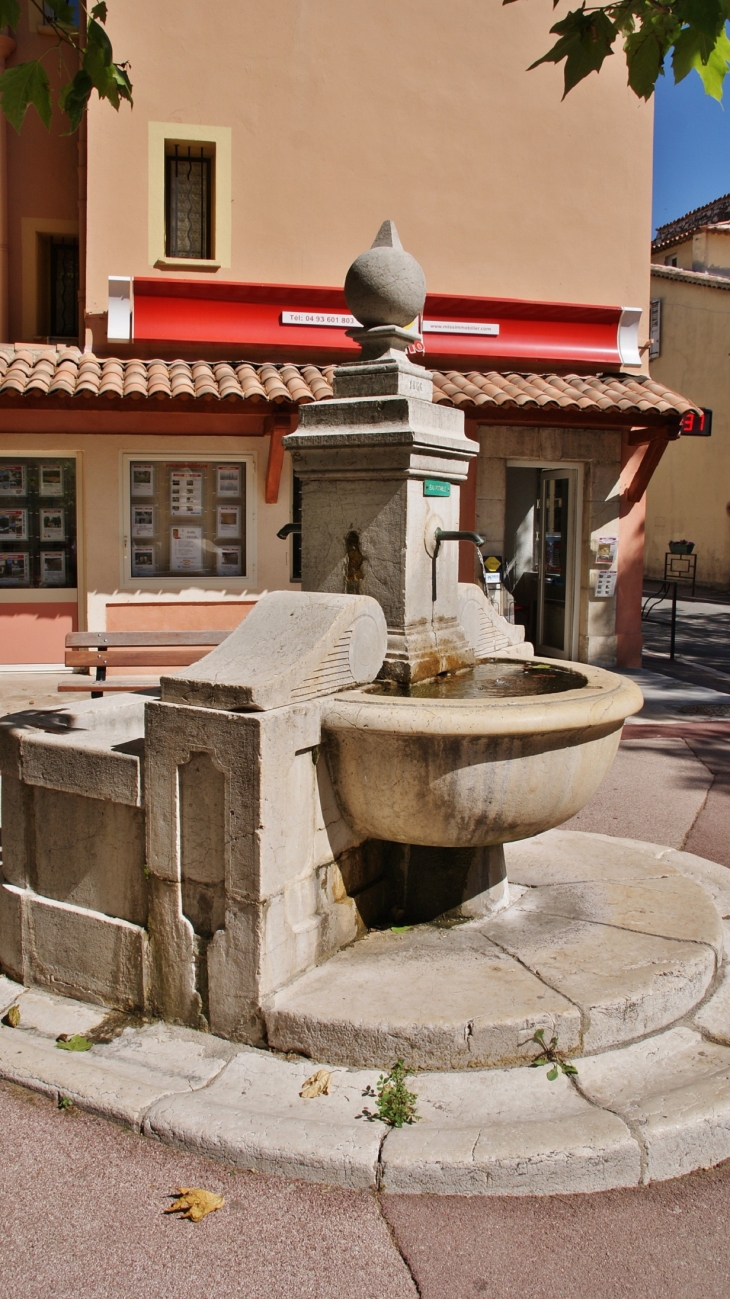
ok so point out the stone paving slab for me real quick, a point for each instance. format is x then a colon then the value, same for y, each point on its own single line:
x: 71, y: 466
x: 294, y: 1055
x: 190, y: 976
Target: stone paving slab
x: 115, y: 1087
x: 437, y: 997
x: 253, y: 1116
x: 510, y: 1132
x: 674, y: 1090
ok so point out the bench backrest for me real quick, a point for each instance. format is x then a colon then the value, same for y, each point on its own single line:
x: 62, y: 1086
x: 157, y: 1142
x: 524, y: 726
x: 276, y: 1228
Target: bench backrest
x: 144, y: 649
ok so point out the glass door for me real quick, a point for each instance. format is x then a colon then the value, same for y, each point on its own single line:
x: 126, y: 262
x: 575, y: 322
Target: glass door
x: 555, y: 536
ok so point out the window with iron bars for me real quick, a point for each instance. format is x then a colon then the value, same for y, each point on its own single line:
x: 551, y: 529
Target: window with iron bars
x: 188, y: 201
x: 63, y: 296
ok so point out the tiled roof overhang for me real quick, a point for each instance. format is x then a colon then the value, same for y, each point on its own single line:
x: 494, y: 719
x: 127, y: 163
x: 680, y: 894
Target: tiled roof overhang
x: 681, y: 276
x: 66, y: 379
x: 699, y: 218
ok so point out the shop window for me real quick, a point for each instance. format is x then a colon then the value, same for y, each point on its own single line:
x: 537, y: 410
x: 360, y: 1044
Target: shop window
x: 189, y: 178
x: 189, y: 518
x: 37, y: 521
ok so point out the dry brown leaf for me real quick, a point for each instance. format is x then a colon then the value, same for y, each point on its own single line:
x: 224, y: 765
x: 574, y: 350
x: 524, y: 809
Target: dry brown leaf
x: 317, y: 1085
x: 12, y: 1019
x: 193, y: 1202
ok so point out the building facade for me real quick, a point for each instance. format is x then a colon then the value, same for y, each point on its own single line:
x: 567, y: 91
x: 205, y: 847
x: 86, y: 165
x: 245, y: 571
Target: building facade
x: 202, y: 238
x: 689, y: 497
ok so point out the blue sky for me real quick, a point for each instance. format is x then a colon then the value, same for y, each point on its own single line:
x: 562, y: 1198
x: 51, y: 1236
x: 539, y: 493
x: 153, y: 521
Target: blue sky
x: 691, y: 147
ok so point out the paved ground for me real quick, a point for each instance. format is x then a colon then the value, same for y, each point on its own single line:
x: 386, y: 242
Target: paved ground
x: 703, y: 639
x: 82, y: 1199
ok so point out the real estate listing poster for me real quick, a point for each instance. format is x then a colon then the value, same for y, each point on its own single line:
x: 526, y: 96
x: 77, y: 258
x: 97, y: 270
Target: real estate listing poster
x: 228, y: 521
x: 186, y: 550
x: 228, y: 561
x: 12, y: 480
x: 186, y: 492
x: 143, y: 561
x: 13, y: 525
x: 143, y: 520
x: 53, y: 525
x: 50, y: 480
x: 53, y: 568
x: 14, y: 569
x: 142, y: 481
x: 229, y: 480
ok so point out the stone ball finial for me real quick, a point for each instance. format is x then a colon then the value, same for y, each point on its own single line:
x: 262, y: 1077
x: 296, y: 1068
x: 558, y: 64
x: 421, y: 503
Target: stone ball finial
x: 385, y: 285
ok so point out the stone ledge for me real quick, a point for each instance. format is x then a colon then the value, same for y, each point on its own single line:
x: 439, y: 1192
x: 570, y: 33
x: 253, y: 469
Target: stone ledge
x: 652, y: 1111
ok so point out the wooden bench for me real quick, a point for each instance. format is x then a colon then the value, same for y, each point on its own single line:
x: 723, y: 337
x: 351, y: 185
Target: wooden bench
x: 130, y: 649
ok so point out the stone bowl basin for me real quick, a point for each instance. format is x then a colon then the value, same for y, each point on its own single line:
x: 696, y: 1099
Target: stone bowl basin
x: 458, y: 773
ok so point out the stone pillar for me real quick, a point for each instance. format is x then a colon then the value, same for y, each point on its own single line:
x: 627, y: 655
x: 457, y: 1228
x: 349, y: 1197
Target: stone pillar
x: 368, y: 460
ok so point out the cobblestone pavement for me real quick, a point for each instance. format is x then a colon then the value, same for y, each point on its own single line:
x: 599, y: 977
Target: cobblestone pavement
x: 83, y: 1199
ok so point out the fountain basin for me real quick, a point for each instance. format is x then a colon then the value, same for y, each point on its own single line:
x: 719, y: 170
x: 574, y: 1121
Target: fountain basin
x: 478, y: 770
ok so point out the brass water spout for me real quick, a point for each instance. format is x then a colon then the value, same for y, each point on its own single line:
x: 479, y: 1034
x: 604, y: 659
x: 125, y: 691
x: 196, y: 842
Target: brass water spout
x: 439, y: 536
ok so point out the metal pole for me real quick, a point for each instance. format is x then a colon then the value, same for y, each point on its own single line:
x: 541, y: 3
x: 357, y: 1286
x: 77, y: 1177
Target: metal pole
x: 673, y: 622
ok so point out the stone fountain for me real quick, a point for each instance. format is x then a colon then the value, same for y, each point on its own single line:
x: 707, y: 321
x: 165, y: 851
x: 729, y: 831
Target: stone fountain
x: 301, y: 845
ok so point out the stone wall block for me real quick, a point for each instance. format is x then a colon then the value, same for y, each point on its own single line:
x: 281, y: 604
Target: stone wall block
x: 82, y: 765
x: 10, y: 750
x: 90, y: 853
x: 173, y: 950
x: 234, y: 955
x: 84, y: 954
x: 12, y: 946
x: 18, y: 836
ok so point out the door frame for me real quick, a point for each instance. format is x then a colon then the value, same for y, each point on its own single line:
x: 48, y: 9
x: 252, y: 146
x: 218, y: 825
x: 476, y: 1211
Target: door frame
x: 574, y: 550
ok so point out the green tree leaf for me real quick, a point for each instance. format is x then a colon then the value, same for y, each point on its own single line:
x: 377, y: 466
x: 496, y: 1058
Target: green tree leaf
x: 24, y: 85
x: 100, y: 11
x: 586, y: 39
x: 77, y: 1042
x: 713, y: 72
x: 74, y: 97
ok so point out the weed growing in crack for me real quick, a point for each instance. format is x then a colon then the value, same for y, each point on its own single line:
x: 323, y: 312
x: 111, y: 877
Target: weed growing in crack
x: 552, y: 1055
x: 395, y: 1105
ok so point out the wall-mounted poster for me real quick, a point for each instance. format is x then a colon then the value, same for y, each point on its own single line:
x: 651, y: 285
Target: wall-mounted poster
x: 13, y: 525
x: 605, y: 585
x: 228, y: 561
x: 229, y: 480
x: 143, y: 520
x: 53, y: 568
x: 606, y: 550
x: 53, y: 525
x: 186, y: 492
x: 14, y: 569
x: 143, y: 480
x: 50, y: 480
x: 12, y: 480
x: 186, y: 550
x: 228, y: 521
x: 143, y: 561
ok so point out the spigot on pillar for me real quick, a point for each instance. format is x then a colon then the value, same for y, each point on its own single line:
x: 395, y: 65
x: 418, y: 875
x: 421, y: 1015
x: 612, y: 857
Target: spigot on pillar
x: 442, y: 535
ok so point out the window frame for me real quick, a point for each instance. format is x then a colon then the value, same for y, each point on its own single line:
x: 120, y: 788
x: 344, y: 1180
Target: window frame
x: 247, y: 580
x: 218, y: 138
x: 203, y: 153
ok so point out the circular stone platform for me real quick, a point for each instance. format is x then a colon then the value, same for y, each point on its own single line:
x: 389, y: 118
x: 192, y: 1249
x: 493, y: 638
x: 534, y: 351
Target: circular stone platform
x: 654, y: 1109
x: 605, y: 941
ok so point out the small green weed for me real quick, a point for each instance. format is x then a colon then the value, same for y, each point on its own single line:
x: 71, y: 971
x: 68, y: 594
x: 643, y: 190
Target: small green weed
x: 552, y: 1055
x: 77, y: 1042
x: 65, y: 1103
x: 394, y: 1103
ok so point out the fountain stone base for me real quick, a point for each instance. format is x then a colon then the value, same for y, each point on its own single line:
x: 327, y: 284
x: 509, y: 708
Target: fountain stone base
x: 604, y: 942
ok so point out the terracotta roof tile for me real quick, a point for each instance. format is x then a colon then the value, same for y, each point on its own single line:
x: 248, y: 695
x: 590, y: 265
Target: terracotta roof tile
x: 45, y: 373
